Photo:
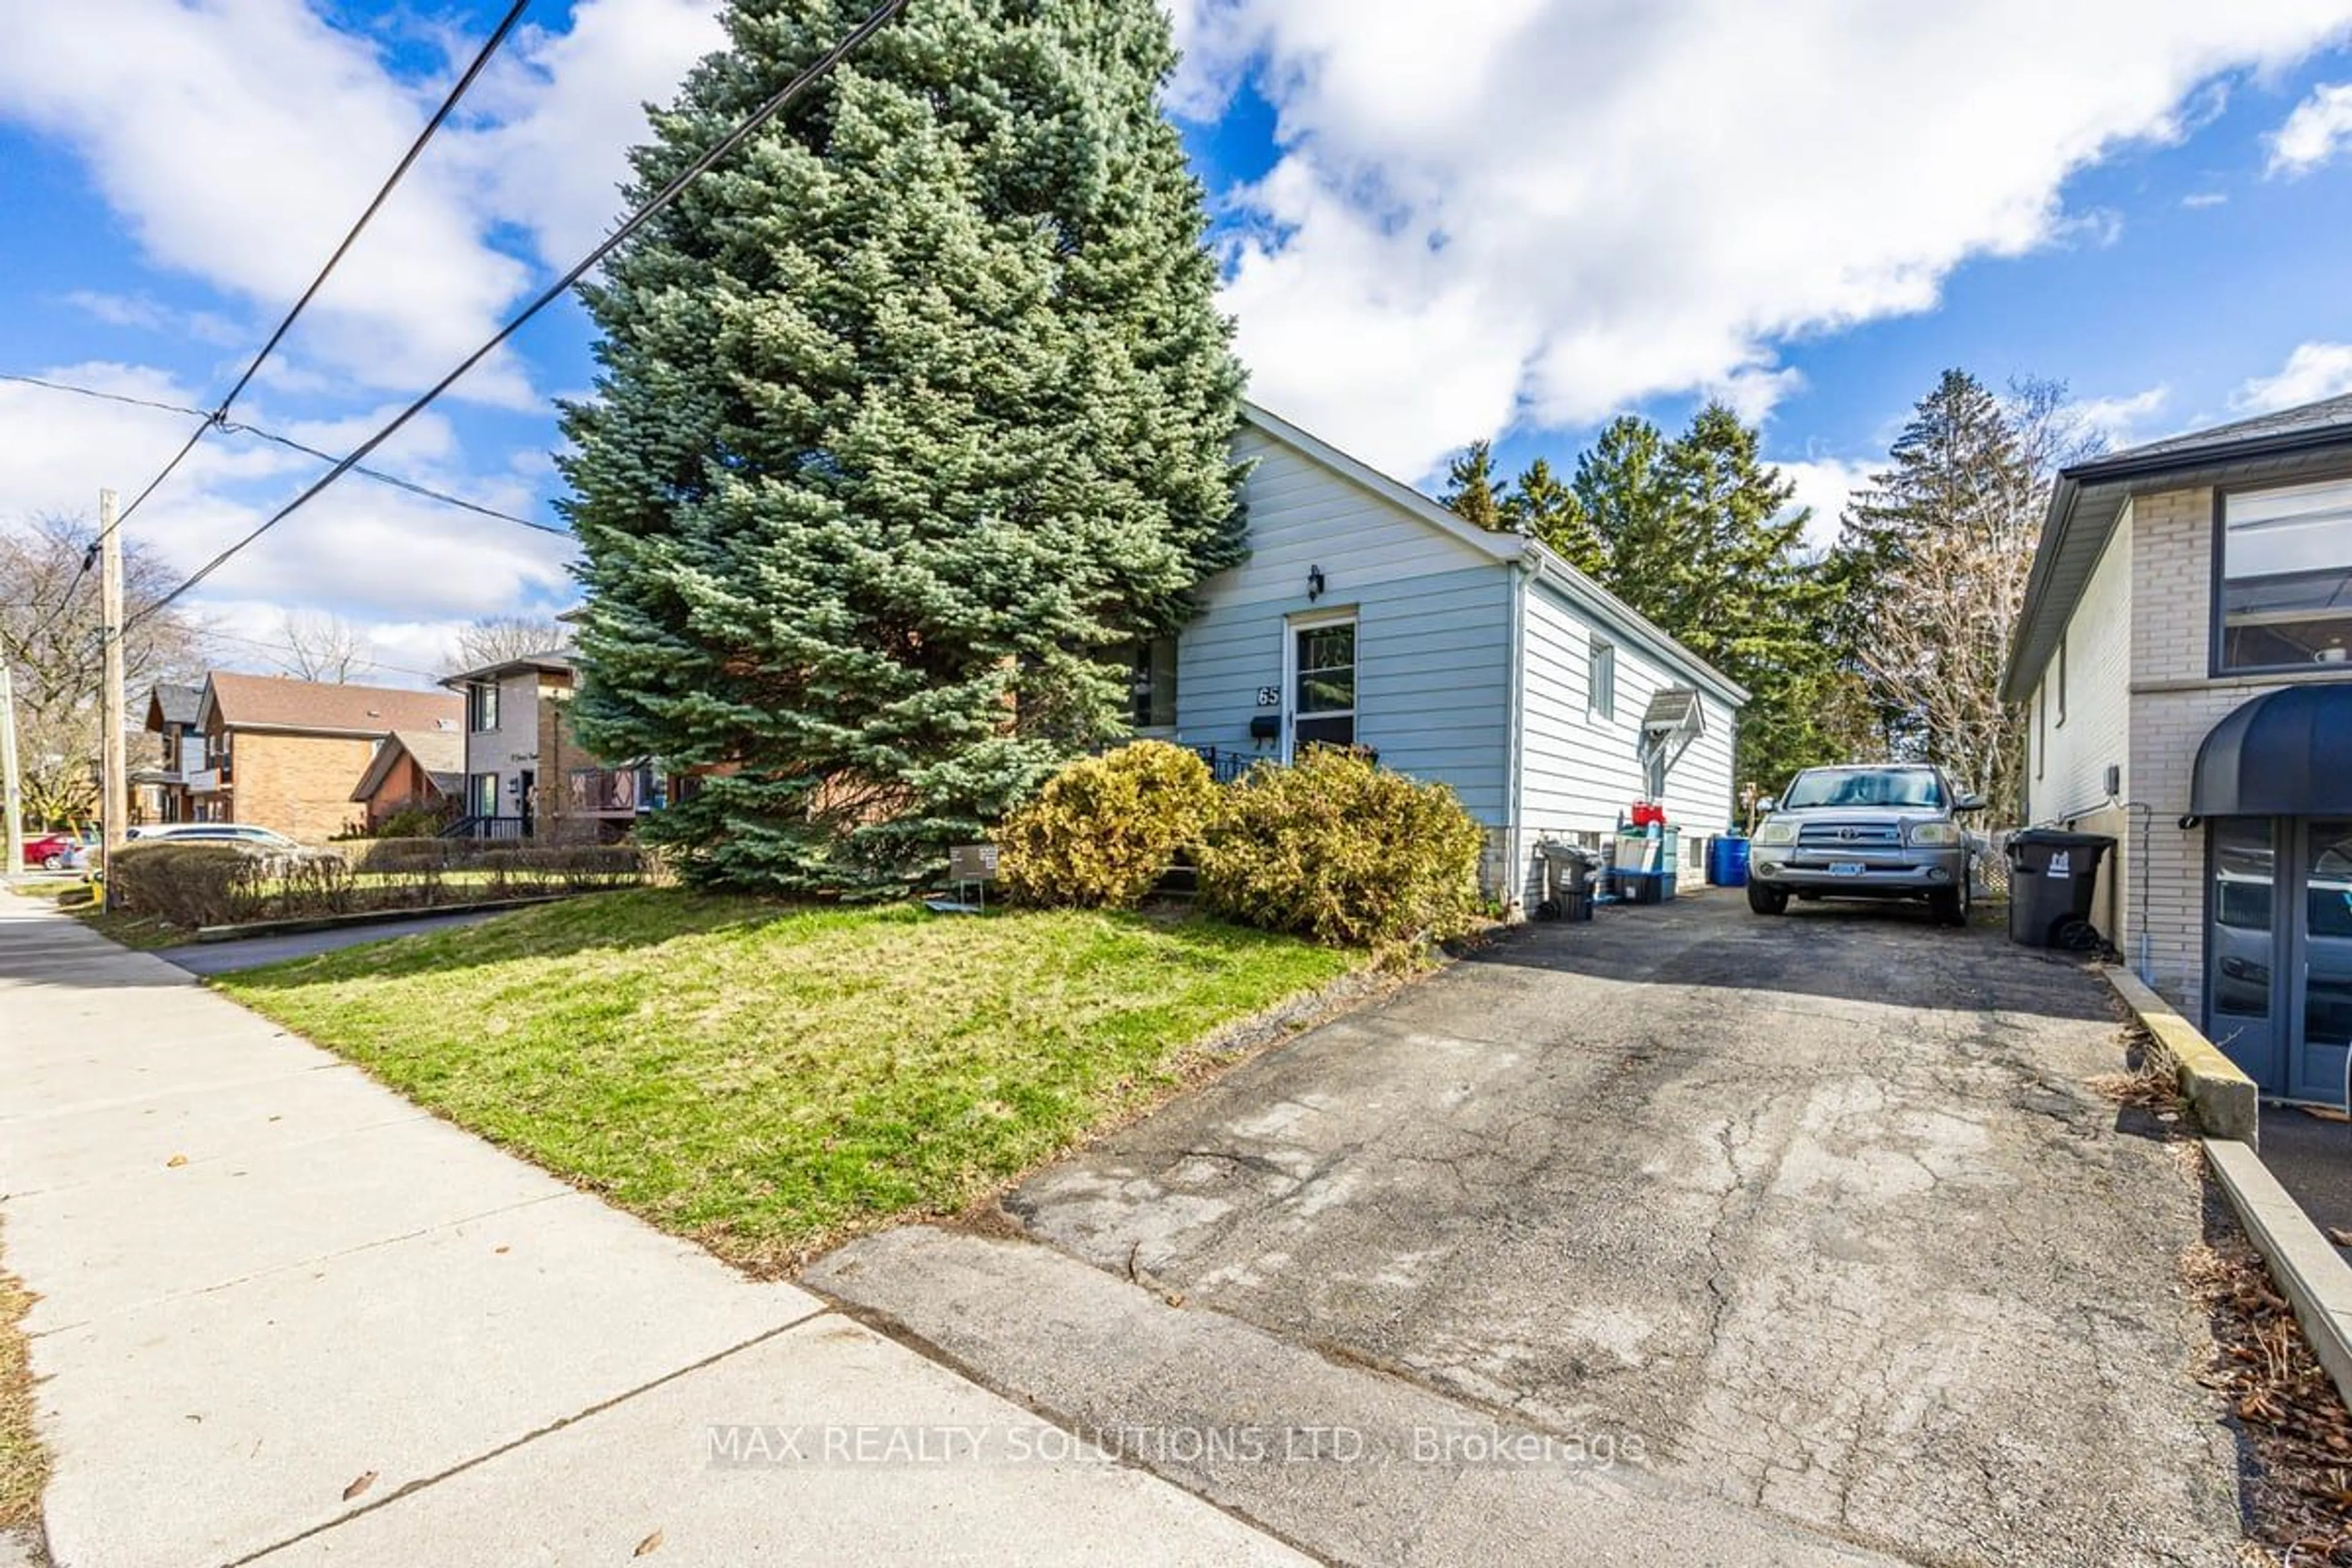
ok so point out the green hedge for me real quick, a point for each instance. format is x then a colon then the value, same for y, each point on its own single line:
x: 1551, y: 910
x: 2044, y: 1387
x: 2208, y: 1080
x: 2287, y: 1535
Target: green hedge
x: 1105, y: 829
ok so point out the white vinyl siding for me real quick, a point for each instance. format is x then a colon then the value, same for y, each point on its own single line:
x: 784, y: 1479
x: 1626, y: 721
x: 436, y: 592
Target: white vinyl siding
x: 1433, y: 634
x: 1583, y: 770
x: 2082, y: 708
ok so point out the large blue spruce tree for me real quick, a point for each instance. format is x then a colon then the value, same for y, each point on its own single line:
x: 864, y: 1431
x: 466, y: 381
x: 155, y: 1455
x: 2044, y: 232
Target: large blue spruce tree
x: 913, y: 415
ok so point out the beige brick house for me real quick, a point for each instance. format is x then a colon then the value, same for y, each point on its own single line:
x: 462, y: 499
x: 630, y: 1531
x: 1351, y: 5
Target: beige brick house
x: 284, y: 753
x: 2185, y: 659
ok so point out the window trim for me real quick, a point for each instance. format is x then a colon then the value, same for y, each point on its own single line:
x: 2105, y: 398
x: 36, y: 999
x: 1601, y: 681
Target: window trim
x: 2040, y: 729
x: 2216, y: 577
x: 2062, y: 682
x: 1292, y: 626
x: 1600, y: 703
x: 481, y: 696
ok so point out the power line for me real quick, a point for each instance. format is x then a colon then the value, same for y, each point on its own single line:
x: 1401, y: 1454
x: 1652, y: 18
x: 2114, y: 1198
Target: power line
x: 219, y: 416
x: 644, y: 214
x: 239, y: 427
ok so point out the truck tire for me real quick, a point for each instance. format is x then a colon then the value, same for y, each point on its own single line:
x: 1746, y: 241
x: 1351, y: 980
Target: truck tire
x: 1950, y: 906
x: 1766, y: 901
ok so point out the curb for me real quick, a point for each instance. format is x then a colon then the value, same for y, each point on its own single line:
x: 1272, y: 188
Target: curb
x: 2226, y: 1102
x: 2317, y: 1280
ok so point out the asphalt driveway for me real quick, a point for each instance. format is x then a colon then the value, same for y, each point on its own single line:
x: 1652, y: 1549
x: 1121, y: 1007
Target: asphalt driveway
x: 1817, y: 1208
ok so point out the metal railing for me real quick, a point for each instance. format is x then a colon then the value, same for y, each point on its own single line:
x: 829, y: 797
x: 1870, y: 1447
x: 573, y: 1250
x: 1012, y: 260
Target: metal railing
x: 484, y: 827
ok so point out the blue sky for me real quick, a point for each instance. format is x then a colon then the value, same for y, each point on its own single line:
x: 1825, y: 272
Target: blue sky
x: 1545, y: 212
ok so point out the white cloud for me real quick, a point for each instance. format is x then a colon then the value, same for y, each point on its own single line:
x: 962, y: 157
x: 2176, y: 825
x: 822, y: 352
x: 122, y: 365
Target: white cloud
x: 2197, y: 199
x: 2122, y: 420
x: 1823, y: 484
x: 144, y: 314
x: 1547, y: 209
x: 2318, y: 129
x: 2312, y: 372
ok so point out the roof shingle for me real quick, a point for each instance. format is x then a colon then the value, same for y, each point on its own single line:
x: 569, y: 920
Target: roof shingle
x: 276, y: 701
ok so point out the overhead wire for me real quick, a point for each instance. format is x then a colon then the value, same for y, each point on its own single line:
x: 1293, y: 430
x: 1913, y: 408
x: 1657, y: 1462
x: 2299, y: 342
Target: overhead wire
x: 652, y: 207
x: 219, y: 415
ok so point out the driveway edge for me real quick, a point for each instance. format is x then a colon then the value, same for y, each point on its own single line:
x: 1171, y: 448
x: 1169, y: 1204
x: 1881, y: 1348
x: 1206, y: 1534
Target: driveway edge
x: 2317, y: 1280
x: 2226, y: 1102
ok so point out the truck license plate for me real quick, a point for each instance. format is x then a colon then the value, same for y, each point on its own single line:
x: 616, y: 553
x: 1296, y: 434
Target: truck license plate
x: 1845, y: 869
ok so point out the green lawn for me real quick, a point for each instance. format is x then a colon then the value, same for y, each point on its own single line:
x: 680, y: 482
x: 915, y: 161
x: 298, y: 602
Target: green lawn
x: 768, y: 1078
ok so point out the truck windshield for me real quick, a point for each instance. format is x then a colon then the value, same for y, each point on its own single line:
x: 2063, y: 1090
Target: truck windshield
x: 1910, y: 788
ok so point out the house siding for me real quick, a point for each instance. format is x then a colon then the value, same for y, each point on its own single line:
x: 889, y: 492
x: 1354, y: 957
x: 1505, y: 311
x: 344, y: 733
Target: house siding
x: 2067, y: 761
x: 1432, y: 641
x: 1580, y: 771
x: 299, y: 784
x: 512, y: 749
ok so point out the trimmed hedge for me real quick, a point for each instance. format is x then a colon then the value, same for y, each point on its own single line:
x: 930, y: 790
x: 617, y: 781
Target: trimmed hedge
x: 1105, y: 829
x: 1335, y: 848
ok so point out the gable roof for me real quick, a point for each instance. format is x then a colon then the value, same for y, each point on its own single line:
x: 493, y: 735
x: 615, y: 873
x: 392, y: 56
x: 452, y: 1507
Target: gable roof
x: 2089, y: 498
x: 1596, y: 603
x: 313, y: 707
x: 171, y: 703
x: 440, y: 752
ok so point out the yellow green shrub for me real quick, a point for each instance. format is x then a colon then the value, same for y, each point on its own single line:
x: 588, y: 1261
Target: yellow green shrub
x: 1333, y: 848
x: 1105, y: 829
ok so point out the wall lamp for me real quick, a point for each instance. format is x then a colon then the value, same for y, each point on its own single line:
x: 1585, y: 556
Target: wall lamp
x: 2192, y: 823
x: 1314, y: 584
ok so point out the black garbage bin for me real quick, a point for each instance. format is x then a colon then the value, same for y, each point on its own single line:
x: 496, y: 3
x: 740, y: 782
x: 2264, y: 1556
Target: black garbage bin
x: 2052, y: 876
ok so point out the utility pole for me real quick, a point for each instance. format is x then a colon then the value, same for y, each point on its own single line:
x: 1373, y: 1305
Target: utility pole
x: 115, y: 803
x: 13, y: 791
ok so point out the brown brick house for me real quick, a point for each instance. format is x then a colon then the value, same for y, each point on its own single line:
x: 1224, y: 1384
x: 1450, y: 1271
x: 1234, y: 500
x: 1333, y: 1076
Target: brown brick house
x: 285, y: 753
x: 414, y: 770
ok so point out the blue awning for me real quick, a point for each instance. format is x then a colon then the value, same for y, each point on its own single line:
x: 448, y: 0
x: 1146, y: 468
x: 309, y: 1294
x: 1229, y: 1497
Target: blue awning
x: 2285, y: 754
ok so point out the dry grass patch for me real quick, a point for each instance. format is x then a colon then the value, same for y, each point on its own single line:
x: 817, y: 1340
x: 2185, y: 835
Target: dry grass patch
x: 24, y: 1464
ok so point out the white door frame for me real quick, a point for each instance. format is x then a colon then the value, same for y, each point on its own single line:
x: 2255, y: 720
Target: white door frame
x: 1308, y: 620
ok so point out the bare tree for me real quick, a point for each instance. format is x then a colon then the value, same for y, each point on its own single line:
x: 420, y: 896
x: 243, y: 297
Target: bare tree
x: 48, y: 633
x: 1948, y: 535
x: 495, y: 639
x: 315, y: 646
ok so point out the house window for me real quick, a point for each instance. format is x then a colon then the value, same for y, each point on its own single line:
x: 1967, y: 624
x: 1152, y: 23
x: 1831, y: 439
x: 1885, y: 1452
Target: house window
x: 1601, y: 697
x: 1151, y: 684
x: 481, y: 795
x: 1323, y: 698
x: 482, y: 706
x: 2286, y: 577
x: 2062, y: 681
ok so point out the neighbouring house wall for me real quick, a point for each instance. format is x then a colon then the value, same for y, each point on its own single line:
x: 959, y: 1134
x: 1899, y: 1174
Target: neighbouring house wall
x: 2175, y: 703
x: 299, y: 784
x: 1583, y: 772
x: 2067, y: 760
x: 1433, y: 654
x: 407, y: 785
x: 513, y: 748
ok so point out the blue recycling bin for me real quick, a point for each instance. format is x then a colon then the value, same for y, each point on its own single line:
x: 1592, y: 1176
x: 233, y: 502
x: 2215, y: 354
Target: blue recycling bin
x: 1726, y: 862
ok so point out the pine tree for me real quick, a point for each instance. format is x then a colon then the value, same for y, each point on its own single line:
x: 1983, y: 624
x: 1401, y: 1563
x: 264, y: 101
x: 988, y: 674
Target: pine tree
x: 911, y: 416
x: 1541, y: 506
x: 1470, y: 489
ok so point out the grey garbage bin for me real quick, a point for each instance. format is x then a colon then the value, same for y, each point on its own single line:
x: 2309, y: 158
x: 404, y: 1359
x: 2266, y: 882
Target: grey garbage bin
x: 2054, y: 877
x: 1566, y: 881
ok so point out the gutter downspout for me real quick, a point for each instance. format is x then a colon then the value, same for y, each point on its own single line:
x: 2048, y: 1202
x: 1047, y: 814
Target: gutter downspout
x: 1522, y: 571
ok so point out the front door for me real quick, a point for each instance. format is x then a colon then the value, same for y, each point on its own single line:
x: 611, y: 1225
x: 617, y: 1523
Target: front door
x: 530, y: 799
x: 2279, y: 953
x: 1322, y: 681
x: 2319, y: 963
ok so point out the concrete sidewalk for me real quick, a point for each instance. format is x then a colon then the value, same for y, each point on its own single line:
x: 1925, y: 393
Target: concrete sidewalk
x: 285, y: 1317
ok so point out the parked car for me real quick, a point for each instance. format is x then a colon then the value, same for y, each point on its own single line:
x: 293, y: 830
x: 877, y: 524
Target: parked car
x: 241, y: 832
x: 1885, y: 831
x: 49, y: 851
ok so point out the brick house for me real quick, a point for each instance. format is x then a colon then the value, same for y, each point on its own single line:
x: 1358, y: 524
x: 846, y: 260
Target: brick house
x: 160, y: 789
x: 284, y: 753
x: 414, y: 770
x: 525, y: 774
x: 2185, y: 657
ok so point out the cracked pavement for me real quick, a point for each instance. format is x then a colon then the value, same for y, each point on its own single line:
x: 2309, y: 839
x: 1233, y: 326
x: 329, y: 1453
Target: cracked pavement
x: 1817, y: 1207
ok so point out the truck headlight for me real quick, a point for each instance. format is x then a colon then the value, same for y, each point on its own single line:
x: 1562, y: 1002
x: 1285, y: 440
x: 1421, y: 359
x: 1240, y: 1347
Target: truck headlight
x: 1934, y: 835
x: 1776, y: 833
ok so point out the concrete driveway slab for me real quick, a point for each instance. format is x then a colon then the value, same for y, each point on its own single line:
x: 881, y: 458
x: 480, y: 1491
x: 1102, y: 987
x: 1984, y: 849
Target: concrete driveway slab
x: 1820, y: 1205
x: 843, y: 1390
